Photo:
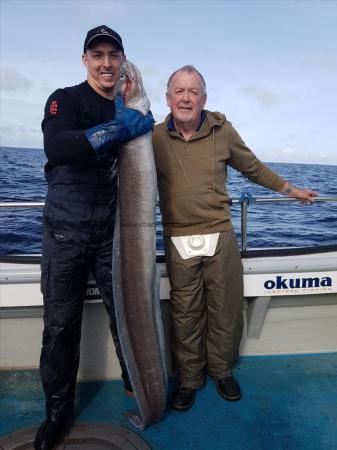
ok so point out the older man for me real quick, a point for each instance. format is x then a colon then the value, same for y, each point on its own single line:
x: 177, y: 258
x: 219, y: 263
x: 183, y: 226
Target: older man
x: 192, y: 150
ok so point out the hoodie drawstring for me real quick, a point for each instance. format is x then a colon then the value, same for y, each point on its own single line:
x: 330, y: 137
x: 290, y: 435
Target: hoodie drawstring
x: 213, y: 153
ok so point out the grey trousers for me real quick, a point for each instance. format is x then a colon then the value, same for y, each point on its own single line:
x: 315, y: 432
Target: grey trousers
x: 206, y: 311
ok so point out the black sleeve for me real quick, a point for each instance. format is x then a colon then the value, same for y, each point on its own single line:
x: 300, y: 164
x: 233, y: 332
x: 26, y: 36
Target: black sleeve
x: 64, y: 141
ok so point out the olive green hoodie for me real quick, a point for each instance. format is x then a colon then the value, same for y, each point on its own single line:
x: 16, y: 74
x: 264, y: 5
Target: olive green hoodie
x: 192, y: 175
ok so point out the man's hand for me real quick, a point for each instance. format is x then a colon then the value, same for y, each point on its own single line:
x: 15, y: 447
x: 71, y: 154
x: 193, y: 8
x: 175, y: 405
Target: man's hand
x: 303, y: 195
x: 127, y: 125
x: 132, y: 122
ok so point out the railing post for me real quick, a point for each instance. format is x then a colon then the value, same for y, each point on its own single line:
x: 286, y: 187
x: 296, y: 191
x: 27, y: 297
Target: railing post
x: 244, y: 220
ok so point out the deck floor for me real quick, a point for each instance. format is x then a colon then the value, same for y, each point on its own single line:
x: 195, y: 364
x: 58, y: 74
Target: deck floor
x: 289, y: 402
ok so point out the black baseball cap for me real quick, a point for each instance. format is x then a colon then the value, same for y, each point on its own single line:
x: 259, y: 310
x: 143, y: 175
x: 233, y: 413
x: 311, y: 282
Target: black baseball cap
x: 102, y: 34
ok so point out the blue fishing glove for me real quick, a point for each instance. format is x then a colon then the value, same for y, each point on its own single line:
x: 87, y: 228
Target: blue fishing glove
x: 127, y: 125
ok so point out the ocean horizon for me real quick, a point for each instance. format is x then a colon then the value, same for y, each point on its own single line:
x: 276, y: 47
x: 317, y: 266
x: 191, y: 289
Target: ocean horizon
x: 4, y: 147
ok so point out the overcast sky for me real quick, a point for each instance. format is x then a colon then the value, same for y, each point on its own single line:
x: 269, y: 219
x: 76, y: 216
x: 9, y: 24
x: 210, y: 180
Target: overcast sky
x: 270, y: 66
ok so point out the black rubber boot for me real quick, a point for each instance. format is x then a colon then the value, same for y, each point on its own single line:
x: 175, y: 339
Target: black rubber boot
x: 183, y: 399
x: 228, y: 388
x: 52, y: 432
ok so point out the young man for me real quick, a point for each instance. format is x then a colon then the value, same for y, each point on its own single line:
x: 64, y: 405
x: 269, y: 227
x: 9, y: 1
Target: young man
x: 83, y: 128
x: 192, y: 150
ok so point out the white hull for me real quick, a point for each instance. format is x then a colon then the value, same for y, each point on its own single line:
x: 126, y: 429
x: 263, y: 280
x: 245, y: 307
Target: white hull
x: 277, y: 321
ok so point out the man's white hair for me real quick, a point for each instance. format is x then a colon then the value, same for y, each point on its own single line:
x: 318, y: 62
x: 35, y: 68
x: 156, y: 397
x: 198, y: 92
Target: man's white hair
x: 188, y: 68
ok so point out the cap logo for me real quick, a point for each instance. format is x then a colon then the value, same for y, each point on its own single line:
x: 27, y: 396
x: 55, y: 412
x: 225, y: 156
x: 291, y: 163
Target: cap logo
x: 104, y: 31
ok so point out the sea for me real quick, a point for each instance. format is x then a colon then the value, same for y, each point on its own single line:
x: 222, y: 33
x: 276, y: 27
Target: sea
x: 269, y: 225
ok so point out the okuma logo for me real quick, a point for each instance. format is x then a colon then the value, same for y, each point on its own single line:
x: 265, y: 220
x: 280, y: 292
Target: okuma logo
x: 298, y: 283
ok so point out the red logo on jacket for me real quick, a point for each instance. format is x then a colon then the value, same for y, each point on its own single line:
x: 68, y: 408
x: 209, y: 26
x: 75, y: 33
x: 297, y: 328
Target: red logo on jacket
x: 53, y: 107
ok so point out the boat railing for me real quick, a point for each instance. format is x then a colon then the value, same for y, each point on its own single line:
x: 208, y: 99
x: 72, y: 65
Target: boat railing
x: 245, y: 200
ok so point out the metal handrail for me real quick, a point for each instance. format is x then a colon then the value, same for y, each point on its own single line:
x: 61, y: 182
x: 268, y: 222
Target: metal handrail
x: 288, y: 199
x: 21, y: 204
x: 245, y: 200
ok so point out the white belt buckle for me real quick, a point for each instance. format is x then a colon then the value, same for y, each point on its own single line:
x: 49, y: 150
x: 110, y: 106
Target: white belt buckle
x: 196, y: 245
